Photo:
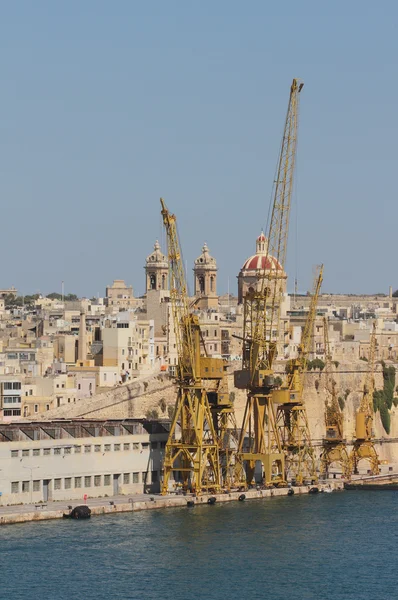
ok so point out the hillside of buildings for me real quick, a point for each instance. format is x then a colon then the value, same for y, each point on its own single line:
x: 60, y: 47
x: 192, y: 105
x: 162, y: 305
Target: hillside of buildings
x: 115, y: 356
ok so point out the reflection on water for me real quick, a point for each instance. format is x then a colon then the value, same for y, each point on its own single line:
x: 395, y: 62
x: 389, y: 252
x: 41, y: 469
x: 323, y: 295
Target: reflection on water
x: 337, y: 546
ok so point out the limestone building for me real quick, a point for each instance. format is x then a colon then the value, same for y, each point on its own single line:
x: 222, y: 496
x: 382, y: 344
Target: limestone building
x: 119, y: 296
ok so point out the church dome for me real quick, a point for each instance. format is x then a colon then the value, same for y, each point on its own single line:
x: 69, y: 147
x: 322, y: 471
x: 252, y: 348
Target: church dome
x: 261, y: 261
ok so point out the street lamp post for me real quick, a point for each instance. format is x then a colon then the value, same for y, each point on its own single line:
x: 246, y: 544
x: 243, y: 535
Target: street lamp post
x: 31, y: 480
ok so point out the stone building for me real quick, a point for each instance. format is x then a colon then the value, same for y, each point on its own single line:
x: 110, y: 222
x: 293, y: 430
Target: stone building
x: 119, y: 296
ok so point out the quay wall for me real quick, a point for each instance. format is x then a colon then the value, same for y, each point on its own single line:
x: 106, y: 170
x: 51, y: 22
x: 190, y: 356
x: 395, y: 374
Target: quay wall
x: 159, y: 502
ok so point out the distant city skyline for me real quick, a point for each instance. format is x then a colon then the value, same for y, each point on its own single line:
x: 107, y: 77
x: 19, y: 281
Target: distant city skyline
x: 105, y: 109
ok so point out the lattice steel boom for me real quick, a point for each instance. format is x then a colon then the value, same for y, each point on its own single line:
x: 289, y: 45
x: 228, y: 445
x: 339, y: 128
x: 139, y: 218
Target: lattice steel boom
x: 334, y: 445
x: 192, y: 448
x: 363, y: 448
x: 292, y: 420
x: 260, y: 441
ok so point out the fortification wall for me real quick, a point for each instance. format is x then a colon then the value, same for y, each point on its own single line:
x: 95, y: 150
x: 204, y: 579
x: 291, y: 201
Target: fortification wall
x: 131, y: 400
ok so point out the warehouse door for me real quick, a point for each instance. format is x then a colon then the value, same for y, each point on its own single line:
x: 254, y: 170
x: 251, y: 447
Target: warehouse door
x: 46, y: 489
x: 116, y: 479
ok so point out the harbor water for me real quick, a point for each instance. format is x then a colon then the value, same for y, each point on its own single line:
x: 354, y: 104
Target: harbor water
x: 327, y: 546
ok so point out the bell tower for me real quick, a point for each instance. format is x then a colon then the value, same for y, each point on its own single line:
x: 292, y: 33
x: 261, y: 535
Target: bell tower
x: 156, y: 270
x: 205, y: 273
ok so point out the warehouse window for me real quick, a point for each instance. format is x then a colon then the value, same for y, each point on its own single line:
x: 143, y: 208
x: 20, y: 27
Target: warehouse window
x: 68, y: 483
x: 136, y: 477
x: 87, y: 449
x: 14, y: 487
x: 57, y: 484
x: 126, y: 478
x: 57, y: 450
x: 107, y: 448
x: 46, y: 451
x: 97, y: 480
x: 97, y: 448
x: 78, y: 449
x: 116, y: 447
x: 136, y: 446
x: 107, y: 480
x: 78, y: 482
x: 36, y: 485
x: 25, y: 452
x: 87, y: 481
x: 36, y: 452
x: 126, y: 446
x: 25, y: 486
x: 14, y: 453
x: 68, y: 450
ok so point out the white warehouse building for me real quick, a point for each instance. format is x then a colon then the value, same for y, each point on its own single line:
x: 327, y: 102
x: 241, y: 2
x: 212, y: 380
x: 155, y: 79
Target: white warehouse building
x: 70, y: 460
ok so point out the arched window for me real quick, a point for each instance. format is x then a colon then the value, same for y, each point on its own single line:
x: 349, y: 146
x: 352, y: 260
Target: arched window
x: 163, y: 282
x: 212, y: 283
x: 152, y: 281
x: 201, y: 281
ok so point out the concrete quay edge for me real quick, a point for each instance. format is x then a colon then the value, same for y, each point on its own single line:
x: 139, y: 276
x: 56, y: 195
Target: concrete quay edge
x: 159, y: 502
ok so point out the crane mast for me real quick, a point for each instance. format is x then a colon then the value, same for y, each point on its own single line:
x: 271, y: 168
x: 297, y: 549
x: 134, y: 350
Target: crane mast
x: 192, y: 447
x: 334, y: 445
x: 260, y: 440
x: 202, y: 442
x: 291, y: 417
x: 363, y: 447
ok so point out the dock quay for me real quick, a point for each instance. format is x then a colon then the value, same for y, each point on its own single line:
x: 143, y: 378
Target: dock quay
x: 122, y: 504
x: 375, y: 482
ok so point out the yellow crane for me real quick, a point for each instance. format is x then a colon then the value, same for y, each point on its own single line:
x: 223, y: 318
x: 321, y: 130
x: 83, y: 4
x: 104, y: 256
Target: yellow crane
x: 291, y: 416
x: 260, y: 441
x: 363, y: 447
x: 195, y: 453
x: 334, y: 445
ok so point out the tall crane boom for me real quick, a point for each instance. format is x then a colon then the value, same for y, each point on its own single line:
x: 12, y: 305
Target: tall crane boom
x: 267, y: 313
x: 259, y: 441
x: 203, y: 435
x: 192, y: 448
x: 188, y: 326
x: 299, y: 365
x: 334, y: 445
x: 291, y: 415
x: 363, y: 447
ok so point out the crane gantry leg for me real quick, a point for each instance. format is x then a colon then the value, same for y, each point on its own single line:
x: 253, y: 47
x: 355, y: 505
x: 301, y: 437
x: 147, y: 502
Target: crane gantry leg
x: 260, y: 441
x: 192, y: 447
x: 365, y: 450
x: 335, y: 453
x: 295, y: 435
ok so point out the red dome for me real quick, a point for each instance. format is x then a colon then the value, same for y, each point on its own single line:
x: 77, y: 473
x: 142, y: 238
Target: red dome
x: 261, y: 262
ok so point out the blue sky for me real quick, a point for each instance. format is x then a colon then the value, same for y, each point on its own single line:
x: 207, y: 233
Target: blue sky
x: 106, y: 106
